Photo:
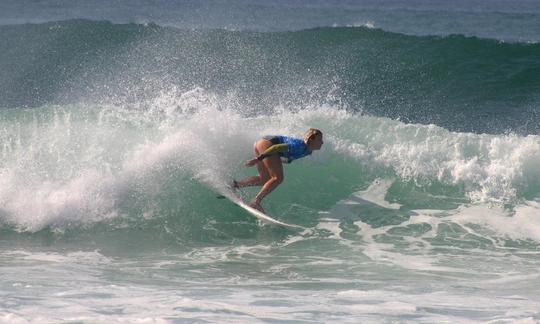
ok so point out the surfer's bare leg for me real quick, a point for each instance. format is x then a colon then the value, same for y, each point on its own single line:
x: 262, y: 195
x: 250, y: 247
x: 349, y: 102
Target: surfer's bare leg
x: 274, y: 167
x: 263, y: 173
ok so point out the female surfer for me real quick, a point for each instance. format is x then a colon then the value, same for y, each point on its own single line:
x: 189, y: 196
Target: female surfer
x: 269, y: 153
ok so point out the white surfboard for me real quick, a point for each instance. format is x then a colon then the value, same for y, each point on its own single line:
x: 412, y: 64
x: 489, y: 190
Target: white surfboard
x: 258, y: 214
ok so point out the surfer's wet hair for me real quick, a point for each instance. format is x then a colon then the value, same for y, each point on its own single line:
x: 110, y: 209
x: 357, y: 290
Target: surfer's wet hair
x: 311, y: 134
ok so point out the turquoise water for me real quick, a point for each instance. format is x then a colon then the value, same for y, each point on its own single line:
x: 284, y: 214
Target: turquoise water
x: 421, y: 207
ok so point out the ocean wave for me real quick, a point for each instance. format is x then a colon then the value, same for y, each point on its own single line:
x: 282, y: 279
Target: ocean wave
x: 460, y: 83
x: 72, y: 167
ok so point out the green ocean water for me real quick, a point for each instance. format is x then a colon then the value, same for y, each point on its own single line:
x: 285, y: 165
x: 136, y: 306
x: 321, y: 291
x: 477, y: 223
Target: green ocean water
x: 116, y: 139
x: 115, y: 217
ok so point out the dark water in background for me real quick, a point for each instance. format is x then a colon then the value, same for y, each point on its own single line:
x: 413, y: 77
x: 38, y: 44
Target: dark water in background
x: 120, y: 122
x: 495, y: 19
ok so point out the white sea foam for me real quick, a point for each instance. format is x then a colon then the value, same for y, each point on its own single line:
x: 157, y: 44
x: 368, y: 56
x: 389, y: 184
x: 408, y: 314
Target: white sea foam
x: 462, y: 229
x: 82, y: 257
x: 490, y: 167
x: 74, y: 166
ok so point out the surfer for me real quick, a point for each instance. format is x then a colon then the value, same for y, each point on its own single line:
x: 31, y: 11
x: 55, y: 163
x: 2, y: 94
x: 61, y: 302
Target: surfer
x: 269, y: 154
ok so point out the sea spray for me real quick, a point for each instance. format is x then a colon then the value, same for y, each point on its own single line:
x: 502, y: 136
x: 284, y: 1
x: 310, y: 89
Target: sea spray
x: 65, y: 166
x: 463, y: 84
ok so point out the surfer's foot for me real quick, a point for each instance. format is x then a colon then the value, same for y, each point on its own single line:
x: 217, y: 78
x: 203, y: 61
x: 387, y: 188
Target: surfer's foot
x: 256, y: 206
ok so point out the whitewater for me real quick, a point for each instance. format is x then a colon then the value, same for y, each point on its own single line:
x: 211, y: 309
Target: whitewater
x: 405, y: 221
x: 117, y: 138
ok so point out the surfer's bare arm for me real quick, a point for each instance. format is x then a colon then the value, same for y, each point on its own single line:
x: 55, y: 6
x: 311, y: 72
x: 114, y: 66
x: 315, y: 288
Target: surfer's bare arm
x: 274, y: 149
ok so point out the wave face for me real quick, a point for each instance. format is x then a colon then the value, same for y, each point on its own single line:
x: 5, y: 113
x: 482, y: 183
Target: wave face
x: 137, y: 124
x: 460, y: 83
x: 70, y: 167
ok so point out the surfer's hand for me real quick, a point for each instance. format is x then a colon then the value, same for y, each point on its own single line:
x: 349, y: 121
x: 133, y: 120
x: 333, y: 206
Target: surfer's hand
x: 251, y: 162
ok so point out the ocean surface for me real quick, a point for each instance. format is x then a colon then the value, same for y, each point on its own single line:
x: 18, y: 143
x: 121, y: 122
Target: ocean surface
x: 122, y: 121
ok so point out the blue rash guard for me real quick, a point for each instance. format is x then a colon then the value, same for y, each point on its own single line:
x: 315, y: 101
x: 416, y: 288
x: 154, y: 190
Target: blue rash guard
x: 293, y: 149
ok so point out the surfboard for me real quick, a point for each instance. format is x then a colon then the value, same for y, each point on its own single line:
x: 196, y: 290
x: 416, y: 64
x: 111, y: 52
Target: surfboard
x: 258, y: 214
